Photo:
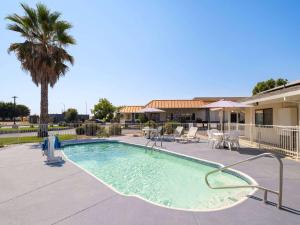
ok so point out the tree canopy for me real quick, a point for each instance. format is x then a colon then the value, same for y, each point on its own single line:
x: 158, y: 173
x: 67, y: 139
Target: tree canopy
x: 104, y: 110
x: 71, y: 115
x: 7, y: 110
x: 268, y: 84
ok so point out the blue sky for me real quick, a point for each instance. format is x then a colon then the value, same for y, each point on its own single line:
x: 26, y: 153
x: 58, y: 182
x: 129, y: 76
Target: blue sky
x: 133, y: 51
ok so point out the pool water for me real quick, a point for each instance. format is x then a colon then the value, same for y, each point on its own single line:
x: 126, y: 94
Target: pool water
x: 161, y: 178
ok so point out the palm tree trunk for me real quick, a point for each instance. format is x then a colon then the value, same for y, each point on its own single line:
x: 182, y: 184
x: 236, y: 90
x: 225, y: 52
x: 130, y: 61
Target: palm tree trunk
x: 43, y: 129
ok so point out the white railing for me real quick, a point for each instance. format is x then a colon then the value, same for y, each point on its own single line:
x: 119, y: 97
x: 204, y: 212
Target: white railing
x: 281, y: 139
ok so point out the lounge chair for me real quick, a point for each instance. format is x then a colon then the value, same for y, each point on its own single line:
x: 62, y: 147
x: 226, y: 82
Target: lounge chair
x: 190, y: 136
x: 177, y: 132
x: 172, y: 137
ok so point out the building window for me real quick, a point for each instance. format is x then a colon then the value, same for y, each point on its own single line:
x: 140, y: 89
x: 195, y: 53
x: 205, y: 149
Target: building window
x: 264, y: 117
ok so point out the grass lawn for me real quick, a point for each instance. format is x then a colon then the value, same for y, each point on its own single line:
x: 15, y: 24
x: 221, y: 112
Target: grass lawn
x: 32, y: 139
x: 28, y: 129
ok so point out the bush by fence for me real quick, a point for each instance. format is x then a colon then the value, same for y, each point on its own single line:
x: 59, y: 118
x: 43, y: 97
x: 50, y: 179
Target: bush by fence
x: 114, y: 129
x: 93, y: 129
x: 170, y: 127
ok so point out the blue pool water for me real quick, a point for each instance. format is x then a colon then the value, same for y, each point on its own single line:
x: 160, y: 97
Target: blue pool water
x: 158, y: 177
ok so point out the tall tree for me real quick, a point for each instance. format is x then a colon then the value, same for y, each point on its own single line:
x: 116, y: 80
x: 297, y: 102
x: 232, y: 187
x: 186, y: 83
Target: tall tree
x: 22, y: 110
x: 104, y: 110
x: 7, y: 110
x: 281, y: 81
x: 43, y: 53
x: 71, y: 115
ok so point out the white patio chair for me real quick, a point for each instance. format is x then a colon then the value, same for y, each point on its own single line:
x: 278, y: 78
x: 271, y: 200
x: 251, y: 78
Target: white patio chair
x: 211, y: 138
x: 217, y: 139
x: 232, y: 139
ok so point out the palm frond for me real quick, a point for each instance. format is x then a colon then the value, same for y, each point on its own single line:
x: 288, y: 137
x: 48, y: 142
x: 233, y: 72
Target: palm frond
x: 53, y: 17
x: 15, y: 18
x: 31, y: 14
x: 43, y: 52
x: 16, y: 28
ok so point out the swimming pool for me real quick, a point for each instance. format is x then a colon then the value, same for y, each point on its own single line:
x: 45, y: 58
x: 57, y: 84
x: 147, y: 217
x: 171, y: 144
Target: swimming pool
x: 159, y: 177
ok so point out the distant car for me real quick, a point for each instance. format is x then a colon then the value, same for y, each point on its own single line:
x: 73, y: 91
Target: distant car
x: 99, y: 121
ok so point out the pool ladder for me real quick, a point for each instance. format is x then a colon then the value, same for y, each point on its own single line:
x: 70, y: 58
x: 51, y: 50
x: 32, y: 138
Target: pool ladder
x: 156, y: 138
x: 266, y: 190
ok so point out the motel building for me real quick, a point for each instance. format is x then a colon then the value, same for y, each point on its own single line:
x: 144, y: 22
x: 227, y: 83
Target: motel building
x: 272, y: 122
x: 184, y: 111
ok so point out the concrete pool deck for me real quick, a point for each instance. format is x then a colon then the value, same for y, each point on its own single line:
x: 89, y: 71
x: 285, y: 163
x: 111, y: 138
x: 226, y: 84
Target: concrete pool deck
x: 34, y: 193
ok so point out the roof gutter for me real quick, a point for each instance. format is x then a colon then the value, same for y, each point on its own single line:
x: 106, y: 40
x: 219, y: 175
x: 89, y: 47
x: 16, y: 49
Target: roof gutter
x: 274, y: 97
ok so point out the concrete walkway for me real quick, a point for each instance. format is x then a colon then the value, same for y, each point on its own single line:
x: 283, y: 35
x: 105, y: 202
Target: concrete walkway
x: 34, y: 193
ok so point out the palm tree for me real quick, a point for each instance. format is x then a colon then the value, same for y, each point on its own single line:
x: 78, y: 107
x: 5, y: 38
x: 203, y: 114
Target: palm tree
x: 43, y: 53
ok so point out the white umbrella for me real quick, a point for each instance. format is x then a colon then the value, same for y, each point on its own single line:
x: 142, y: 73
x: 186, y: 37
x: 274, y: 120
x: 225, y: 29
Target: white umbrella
x: 150, y: 110
x: 222, y: 104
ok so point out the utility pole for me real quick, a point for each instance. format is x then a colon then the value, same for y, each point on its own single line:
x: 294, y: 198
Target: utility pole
x: 86, y: 108
x: 14, y: 97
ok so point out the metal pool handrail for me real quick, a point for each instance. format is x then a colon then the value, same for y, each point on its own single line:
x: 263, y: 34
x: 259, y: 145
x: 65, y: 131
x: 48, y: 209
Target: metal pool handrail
x: 266, y: 190
x: 156, y: 137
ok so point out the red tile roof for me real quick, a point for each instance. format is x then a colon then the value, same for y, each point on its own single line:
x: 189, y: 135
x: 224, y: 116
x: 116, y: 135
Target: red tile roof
x: 130, y: 109
x: 175, y: 104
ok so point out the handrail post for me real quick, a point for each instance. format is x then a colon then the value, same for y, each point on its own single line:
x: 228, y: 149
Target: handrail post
x: 265, y: 196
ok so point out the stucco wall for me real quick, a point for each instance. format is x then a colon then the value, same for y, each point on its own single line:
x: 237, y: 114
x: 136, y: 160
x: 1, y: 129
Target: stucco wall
x: 271, y: 135
x: 250, y: 117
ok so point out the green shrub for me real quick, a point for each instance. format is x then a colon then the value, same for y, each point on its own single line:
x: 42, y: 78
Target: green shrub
x: 114, y: 129
x: 142, y: 118
x: 150, y: 124
x: 80, y: 130
x: 102, y: 132
x: 171, y: 126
